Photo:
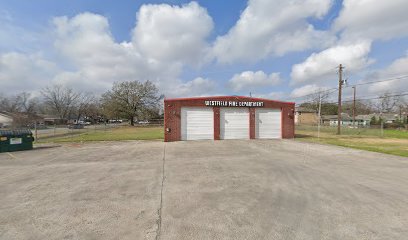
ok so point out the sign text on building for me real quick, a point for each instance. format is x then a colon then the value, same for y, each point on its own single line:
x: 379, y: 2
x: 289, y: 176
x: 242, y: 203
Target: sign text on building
x: 233, y: 104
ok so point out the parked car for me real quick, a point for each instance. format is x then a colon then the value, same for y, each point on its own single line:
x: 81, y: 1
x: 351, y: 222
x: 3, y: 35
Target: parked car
x: 143, y: 122
x: 84, y: 123
x: 115, y: 121
x: 39, y: 126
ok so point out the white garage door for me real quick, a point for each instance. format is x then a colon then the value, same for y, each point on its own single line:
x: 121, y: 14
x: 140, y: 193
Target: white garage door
x: 197, y: 123
x: 234, y: 123
x: 268, y: 123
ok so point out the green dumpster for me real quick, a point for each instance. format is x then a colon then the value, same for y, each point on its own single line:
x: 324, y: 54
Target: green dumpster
x: 16, y: 140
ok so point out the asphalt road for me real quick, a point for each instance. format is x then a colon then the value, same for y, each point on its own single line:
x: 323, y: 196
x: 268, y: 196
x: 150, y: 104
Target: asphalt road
x: 209, y: 190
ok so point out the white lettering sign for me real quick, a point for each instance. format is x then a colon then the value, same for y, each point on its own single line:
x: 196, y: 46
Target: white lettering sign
x: 233, y: 104
x: 14, y: 141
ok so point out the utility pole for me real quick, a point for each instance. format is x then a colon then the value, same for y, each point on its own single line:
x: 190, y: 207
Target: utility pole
x: 354, y: 106
x: 320, y: 115
x: 339, y: 103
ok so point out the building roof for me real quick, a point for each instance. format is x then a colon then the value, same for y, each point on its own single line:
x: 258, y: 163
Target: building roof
x: 225, y: 97
x: 344, y: 117
x: 385, y: 116
x: 6, y: 114
x: 304, y: 110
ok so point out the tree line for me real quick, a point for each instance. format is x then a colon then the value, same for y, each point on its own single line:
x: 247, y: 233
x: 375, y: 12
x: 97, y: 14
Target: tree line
x: 126, y: 100
x: 386, y: 103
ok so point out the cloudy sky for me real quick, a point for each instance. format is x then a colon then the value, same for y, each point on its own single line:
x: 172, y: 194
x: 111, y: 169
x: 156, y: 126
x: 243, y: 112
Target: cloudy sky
x: 279, y: 49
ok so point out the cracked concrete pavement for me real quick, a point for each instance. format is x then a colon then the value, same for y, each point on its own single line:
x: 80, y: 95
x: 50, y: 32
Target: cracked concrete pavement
x: 275, y: 189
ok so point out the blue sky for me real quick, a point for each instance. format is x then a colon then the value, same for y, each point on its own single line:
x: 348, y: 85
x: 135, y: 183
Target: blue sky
x: 272, y: 48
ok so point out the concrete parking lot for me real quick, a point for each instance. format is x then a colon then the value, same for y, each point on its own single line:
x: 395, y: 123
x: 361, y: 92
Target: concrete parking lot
x: 278, y: 189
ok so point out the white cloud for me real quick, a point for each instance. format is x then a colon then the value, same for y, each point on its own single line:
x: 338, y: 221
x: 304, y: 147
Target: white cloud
x: 320, y: 67
x: 197, y: 87
x: 165, y: 39
x: 173, y: 33
x: 371, y: 19
x: 252, y: 80
x: 272, y: 95
x: 85, y: 42
x: 306, y: 90
x: 273, y: 27
x: 20, y: 72
x: 397, y: 68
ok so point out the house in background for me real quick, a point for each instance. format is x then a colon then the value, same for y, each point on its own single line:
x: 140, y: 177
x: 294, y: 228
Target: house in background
x: 305, y: 116
x: 53, y: 120
x: 20, y: 120
x: 346, y: 120
x: 6, y: 120
x: 386, y: 117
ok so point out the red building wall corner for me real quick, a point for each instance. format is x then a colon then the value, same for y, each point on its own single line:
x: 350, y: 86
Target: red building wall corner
x: 252, y: 123
x: 216, y: 123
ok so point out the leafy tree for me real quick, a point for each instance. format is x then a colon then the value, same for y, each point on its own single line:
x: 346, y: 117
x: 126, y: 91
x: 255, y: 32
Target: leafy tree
x: 130, y: 99
x: 373, y: 120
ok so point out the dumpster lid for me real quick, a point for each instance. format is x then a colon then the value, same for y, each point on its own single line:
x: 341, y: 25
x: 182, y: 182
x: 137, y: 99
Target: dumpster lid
x: 18, y: 132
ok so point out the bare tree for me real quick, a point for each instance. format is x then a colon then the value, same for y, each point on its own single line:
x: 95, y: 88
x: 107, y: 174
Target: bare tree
x: 27, y: 103
x: 131, y: 99
x: 61, y: 100
x: 387, y: 103
x: 313, y: 100
x: 361, y: 107
x: 10, y: 104
x: 85, y: 105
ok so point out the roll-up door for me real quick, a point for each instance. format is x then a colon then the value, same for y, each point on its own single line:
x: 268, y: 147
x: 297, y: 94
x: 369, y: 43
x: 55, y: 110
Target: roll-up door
x: 268, y: 123
x: 197, y: 123
x: 234, y: 123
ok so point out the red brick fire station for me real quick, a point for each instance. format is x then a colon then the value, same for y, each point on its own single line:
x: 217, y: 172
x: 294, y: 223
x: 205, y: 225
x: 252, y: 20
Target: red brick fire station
x: 227, y: 117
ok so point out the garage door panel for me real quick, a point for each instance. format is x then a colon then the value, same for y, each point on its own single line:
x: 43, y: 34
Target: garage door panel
x: 234, y: 123
x: 197, y: 123
x: 268, y: 123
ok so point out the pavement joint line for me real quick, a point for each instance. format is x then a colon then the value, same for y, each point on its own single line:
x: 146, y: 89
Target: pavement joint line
x: 11, y: 155
x: 159, y: 211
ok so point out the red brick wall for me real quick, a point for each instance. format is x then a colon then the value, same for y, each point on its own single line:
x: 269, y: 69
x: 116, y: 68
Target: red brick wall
x: 172, y: 115
x: 216, y: 123
x: 252, y: 123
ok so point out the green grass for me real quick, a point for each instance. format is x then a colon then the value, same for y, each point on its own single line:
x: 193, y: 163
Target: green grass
x: 393, y: 142
x: 364, y: 132
x: 116, y: 134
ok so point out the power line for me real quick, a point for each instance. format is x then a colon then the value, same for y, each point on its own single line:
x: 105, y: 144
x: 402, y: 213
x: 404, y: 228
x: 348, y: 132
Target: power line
x: 372, y: 98
x: 380, y: 81
x: 364, y: 98
x: 357, y: 84
x: 382, y: 94
x: 314, y: 93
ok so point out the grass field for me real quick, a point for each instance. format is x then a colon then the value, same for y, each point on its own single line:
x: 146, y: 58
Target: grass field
x: 114, y: 134
x: 388, y: 141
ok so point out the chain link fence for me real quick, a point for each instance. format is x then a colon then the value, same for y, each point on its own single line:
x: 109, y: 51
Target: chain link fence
x: 370, y: 131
